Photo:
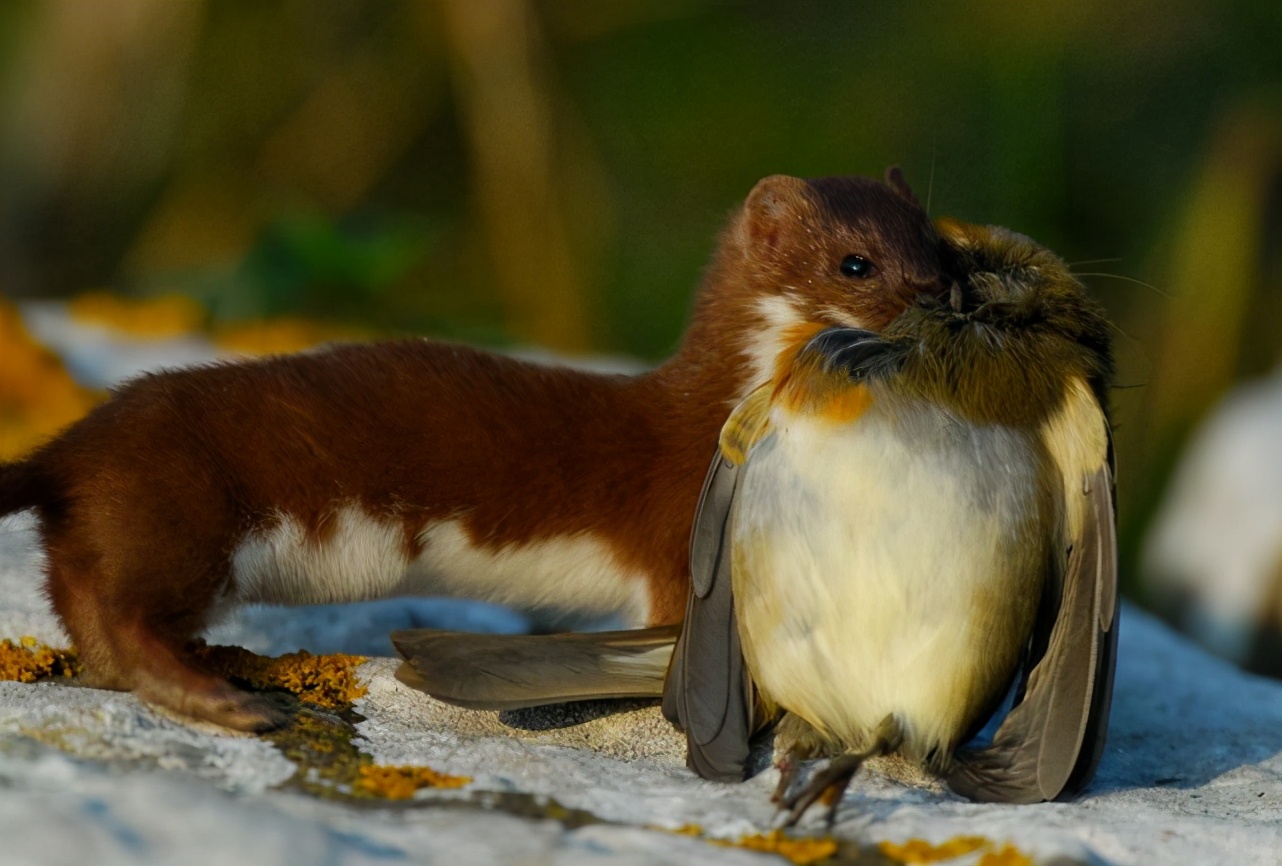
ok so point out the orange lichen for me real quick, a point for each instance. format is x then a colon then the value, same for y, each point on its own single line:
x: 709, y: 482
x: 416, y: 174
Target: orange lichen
x: 921, y: 851
x: 328, y: 680
x: 278, y: 336
x: 166, y: 316
x: 1009, y: 855
x: 37, y: 395
x: 400, y: 783
x: 683, y: 830
x: 802, y: 851
x: 29, y: 660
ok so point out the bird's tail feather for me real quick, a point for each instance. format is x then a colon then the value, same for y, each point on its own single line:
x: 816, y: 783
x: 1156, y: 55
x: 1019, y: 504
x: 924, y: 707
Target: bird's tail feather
x: 508, y: 672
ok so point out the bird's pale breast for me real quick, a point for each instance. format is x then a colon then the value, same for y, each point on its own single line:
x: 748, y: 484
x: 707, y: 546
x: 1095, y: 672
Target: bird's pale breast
x: 891, y: 565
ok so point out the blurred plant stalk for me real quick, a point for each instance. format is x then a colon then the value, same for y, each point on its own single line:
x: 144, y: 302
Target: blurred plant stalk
x: 496, y: 56
x: 68, y: 154
x: 1221, y: 317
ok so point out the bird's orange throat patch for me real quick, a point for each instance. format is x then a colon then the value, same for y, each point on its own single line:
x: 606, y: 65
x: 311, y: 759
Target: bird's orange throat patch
x: 801, y: 386
x: 793, y: 338
x: 843, y: 403
x: 804, y: 387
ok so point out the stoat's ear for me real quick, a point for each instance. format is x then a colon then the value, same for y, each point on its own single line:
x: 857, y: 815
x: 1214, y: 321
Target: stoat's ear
x: 776, y: 207
x: 895, y: 180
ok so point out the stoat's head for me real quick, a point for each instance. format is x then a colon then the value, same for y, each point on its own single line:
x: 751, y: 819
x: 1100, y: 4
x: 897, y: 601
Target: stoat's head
x: 803, y: 255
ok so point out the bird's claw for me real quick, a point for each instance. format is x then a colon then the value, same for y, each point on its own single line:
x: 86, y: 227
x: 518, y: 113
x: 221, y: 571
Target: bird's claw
x: 835, y: 778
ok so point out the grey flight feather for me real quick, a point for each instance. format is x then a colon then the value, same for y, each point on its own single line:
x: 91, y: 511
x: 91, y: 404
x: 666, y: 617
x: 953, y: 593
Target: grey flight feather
x: 707, y: 537
x: 508, y: 672
x: 708, y: 692
x: 1049, y: 744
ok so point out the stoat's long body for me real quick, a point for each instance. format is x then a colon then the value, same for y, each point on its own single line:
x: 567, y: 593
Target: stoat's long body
x: 409, y: 467
x: 362, y: 471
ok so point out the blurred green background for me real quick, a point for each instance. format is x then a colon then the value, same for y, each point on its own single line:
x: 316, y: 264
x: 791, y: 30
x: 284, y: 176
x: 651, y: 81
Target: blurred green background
x: 555, y: 171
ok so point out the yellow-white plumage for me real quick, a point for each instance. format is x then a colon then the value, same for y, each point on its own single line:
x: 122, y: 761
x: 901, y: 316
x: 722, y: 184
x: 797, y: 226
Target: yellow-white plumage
x: 879, y: 564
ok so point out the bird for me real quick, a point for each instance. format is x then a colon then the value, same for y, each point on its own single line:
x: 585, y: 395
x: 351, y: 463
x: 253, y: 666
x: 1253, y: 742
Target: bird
x: 898, y: 530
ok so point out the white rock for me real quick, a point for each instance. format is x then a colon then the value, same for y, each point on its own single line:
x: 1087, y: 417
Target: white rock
x: 1215, y: 547
x: 98, y: 356
x: 1192, y: 775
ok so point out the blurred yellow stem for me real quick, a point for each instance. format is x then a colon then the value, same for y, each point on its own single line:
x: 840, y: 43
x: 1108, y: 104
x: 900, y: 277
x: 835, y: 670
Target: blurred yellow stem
x: 494, y: 49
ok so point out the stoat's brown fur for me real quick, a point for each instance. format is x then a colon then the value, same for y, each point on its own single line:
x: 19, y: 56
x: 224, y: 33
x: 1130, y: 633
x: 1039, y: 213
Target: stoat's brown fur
x: 414, y: 466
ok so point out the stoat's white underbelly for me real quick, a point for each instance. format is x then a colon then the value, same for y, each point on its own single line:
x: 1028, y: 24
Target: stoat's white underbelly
x: 874, y: 561
x: 364, y: 557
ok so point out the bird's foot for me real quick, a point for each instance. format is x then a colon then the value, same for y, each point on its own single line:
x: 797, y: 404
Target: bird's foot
x: 829, y: 784
x: 789, y: 766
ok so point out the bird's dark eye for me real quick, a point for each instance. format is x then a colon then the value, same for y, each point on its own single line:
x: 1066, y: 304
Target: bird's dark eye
x: 857, y: 267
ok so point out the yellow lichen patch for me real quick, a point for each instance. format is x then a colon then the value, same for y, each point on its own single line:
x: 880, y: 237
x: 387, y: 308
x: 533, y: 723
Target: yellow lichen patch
x: 921, y: 851
x: 802, y: 851
x: 1009, y: 855
x: 29, y: 660
x: 167, y: 316
x: 684, y: 830
x: 328, y: 681
x: 37, y: 396
x: 278, y: 336
x: 400, y: 783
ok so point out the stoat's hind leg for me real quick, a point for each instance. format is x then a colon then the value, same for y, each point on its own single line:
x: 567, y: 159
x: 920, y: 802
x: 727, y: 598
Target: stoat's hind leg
x: 164, y: 675
x: 129, y: 619
x: 831, y: 782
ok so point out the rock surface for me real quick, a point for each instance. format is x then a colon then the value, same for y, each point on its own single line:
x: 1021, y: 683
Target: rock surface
x: 1192, y: 773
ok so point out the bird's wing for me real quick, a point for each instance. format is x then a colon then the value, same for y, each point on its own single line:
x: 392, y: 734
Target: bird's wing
x: 708, y: 692
x: 508, y: 672
x: 1050, y: 743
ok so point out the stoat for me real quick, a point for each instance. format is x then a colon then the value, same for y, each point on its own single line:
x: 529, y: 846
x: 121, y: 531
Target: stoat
x: 362, y: 471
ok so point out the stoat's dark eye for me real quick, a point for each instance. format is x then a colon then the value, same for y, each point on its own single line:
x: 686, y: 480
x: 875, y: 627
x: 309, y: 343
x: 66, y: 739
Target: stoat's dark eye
x: 858, y: 267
